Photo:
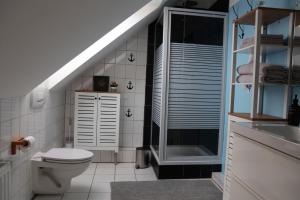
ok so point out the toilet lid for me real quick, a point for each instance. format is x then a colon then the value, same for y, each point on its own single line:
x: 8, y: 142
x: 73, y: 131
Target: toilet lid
x: 67, y: 155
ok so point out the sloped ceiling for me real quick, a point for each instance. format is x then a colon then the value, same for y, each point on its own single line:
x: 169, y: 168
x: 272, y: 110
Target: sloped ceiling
x: 38, y: 37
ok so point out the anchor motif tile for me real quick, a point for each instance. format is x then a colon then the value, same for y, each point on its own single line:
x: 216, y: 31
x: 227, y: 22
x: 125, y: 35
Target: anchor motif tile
x: 127, y: 66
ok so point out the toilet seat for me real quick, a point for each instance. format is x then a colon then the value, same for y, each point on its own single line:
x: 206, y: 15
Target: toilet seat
x: 67, y: 156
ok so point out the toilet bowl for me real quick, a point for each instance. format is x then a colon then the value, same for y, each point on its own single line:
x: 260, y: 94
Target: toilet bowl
x: 53, y: 171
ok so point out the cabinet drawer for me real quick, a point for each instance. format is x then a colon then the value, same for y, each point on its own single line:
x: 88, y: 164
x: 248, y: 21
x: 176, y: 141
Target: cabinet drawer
x: 270, y: 173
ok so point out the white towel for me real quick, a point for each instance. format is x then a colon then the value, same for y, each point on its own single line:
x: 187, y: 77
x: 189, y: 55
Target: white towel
x: 248, y: 78
x: 263, y: 68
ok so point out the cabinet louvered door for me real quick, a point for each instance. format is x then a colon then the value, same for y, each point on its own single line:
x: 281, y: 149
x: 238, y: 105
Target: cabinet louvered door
x: 108, y: 120
x: 85, y: 119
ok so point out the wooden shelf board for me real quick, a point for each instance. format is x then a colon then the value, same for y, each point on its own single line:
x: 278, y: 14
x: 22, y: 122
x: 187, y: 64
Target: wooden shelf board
x: 261, y: 84
x: 269, y: 15
x: 261, y: 117
x: 241, y: 83
x: 265, y: 48
x: 245, y: 50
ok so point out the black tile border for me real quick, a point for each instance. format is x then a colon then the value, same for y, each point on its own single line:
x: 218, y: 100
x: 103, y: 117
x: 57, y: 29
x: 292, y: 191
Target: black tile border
x: 148, y: 86
x: 183, y: 171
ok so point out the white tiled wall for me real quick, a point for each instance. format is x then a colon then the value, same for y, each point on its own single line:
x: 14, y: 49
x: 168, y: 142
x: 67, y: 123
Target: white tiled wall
x: 127, y: 74
x: 46, y: 124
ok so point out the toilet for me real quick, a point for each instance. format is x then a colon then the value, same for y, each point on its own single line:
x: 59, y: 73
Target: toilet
x: 53, y: 171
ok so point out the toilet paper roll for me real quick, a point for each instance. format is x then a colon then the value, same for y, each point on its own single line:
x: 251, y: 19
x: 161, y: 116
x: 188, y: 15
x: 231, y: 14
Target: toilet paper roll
x: 30, y: 140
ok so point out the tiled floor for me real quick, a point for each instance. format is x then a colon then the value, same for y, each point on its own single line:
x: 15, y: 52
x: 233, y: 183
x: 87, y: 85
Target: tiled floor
x: 94, y: 183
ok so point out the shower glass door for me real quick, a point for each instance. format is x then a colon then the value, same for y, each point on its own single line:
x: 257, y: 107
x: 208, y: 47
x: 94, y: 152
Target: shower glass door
x: 194, y: 86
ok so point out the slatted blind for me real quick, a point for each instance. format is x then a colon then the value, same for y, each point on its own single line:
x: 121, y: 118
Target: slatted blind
x: 157, y: 85
x: 195, y: 86
x: 108, y: 120
x: 85, y: 119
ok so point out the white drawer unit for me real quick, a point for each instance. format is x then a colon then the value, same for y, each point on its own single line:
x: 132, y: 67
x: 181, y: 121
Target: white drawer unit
x: 268, y: 172
x: 257, y: 165
x: 97, y: 119
x: 229, y: 151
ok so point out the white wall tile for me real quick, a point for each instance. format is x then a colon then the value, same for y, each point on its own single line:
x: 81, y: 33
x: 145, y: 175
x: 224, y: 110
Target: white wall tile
x: 99, y: 69
x: 89, y: 72
x: 128, y: 99
x: 138, y: 113
x: 120, y: 71
x: 141, y: 58
x: 110, y: 59
x: 140, y: 86
x: 127, y: 140
x: 143, y: 33
x: 137, y: 140
x: 22, y: 120
x: 121, y: 57
x: 128, y: 127
x: 119, y: 68
x: 106, y: 156
x: 138, y: 127
x: 122, y: 47
x: 132, y: 43
x: 139, y: 99
x: 126, y: 156
x: 142, y: 44
x: 97, y: 156
x: 110, y: 70
x: 76, y: 85
x: 140, y: 73
x: 130, y: 71
x: 87, y: 83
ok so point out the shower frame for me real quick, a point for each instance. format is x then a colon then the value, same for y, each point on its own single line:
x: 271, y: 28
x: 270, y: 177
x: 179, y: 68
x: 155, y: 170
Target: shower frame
x: 162, y: 146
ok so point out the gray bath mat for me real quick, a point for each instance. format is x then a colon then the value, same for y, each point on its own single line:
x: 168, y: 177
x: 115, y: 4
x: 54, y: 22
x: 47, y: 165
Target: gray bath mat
x: 165, y: 190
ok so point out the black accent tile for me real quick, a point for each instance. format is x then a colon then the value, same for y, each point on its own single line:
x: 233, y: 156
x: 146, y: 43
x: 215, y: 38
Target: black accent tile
x: 192, y: 171
x: 150, y: 53
x: 147, y: 135
x: 154, y: 165
x: 217, y: 168
x: 183, y: 171
x: 170, y: 172
x: 148, y: 95
x: 147, y: 115
x: 149, y: 81
x: 149, y: 74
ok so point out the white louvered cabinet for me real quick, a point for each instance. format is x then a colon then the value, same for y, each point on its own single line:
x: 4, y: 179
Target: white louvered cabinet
x: 96, y: 121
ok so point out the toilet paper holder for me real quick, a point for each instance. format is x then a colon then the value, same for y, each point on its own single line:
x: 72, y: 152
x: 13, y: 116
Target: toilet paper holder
x: 17, y: 143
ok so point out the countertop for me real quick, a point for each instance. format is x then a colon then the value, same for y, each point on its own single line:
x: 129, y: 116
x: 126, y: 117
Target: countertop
x: 281, y: 137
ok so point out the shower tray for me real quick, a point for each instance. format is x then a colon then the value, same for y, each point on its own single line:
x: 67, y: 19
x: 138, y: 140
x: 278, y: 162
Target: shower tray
x: 187, y: 150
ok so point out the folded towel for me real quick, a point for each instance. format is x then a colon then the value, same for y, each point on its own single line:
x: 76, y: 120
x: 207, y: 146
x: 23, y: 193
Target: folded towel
x: 265, y: 39
x: 295, y: 74
x: 264, y: 68
x: 248, y: 78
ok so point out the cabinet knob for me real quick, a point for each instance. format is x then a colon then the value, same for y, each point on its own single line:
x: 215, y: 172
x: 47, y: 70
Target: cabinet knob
x: 95, y: 97
x: 99, y: 98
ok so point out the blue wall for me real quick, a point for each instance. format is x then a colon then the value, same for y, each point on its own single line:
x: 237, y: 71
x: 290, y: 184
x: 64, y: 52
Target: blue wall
x: 273, y: 97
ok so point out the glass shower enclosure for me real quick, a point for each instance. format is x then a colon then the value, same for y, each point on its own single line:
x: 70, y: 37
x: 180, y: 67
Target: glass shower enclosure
x: 188, y: 85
